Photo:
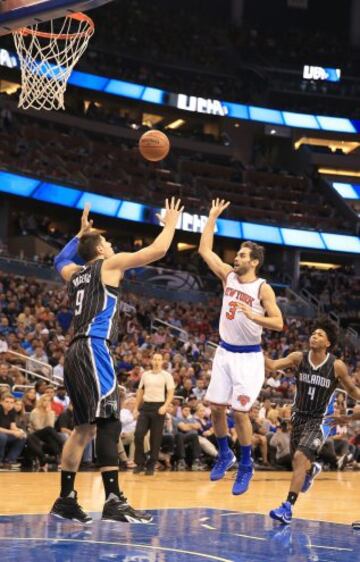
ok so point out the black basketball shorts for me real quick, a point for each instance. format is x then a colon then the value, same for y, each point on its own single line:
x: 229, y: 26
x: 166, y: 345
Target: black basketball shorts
x: 308, y: 435
x: 90, y: 380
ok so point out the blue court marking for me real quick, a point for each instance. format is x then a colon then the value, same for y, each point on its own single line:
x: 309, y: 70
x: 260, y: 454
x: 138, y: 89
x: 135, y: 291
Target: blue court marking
x: 177, y: 535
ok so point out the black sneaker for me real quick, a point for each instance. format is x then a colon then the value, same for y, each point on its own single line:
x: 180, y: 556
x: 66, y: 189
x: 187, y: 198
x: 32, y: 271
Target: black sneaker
x: 117, y: 509
x: 68, y: 508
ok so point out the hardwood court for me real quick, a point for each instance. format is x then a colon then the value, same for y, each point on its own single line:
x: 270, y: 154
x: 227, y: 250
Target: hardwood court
x: 194, y: 520
x: 334, y: 497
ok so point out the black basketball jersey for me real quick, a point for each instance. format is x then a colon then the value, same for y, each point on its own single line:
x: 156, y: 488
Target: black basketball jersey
x: 315, y: 387
x: 95, y: 305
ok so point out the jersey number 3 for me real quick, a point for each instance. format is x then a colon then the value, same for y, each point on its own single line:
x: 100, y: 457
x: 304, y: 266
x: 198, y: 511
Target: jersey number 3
x: 232, y: 310
x: 79, y: 301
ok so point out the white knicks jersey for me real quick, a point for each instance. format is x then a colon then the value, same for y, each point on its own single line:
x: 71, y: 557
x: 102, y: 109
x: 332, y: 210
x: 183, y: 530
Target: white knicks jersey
x: 235, y: 328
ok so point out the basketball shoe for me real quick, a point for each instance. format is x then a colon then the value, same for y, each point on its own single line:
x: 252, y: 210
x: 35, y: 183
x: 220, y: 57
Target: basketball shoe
x: 69, y: 508
x: 222, y: 465
x: 282, y: 513
x: 242, y: 480
x: 314, y: 471
x: 117, y: 509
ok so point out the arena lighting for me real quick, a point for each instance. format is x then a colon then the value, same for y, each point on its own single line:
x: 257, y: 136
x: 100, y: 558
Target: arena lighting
x: 38, y: 190
x: 347, y: 190
x: 176, y: 124
x: 182, y: 246
x: 203, y: 105
x: 320, y: 265
x: 336, y: 172
x: 345, y: 146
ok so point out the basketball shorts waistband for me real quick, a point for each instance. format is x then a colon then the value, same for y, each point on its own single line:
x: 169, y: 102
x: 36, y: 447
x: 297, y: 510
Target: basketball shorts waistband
x: 240, y: 348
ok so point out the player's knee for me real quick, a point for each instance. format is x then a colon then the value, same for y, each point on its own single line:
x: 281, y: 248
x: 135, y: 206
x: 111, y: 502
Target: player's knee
x: 218, y: 412
x: 299, y: 459
x: 108, y: 433
x: 85, y: 433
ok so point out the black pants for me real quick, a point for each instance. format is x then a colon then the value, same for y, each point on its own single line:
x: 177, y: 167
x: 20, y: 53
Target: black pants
x: 52, y: 441
x: 187, y: 446
x: 149, y: 419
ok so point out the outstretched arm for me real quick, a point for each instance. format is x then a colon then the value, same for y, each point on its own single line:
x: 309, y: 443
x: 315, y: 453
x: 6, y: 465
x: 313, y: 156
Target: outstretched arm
x: 216, y: 265
x: 64, y: 261
x: 292, y: 360
x: 155, y: 251
x: 342, y: 374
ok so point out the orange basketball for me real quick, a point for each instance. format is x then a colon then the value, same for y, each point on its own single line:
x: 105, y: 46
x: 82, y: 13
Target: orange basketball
x: 154, y: 145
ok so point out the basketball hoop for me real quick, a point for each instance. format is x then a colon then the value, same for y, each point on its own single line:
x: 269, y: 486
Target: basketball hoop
x: 47, y: 58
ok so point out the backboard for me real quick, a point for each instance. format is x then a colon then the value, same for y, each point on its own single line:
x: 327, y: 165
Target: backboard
x: 19, y: 13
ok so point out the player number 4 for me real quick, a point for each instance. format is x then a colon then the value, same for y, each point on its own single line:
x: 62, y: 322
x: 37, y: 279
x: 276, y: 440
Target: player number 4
x: 311, y: 392
x: 79, y: 301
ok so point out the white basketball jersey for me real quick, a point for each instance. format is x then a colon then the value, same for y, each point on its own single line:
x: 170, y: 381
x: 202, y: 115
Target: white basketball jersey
x: 235, y: 328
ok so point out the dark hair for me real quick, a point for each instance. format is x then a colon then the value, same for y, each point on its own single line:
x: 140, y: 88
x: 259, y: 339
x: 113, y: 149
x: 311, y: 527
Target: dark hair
x: 88, y: 244
x: 329, y: 327
x: 257, y: 252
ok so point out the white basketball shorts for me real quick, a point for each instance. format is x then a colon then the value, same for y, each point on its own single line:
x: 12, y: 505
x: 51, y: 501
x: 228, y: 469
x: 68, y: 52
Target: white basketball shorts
x: 236, y: 378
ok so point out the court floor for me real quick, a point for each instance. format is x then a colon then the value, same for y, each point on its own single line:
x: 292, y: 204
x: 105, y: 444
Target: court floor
x: 194, y: 519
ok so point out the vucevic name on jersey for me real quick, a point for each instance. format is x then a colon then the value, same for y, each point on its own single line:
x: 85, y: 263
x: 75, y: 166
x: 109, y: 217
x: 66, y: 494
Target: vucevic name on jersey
x: 315, y: 387
x: 95, y: 305
x: 235, y: 328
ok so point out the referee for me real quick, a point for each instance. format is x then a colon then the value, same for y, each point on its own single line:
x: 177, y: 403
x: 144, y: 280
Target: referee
x: 155, y: 393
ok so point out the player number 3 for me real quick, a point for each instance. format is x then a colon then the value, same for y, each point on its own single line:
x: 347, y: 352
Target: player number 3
x: 79, y: 301
x: 230, y: 315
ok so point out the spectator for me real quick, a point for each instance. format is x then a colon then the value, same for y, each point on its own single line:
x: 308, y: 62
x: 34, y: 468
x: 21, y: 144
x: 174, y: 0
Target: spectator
x: 188, y: 427
x: 64, y: 426
x: 57, y: 406
x: 61, y: 397
x: 12, y: 438
x: 128, y: 416
x: 259, y: 434
x: 281, y: 441
x: 42, y: 425
x: 58, y: 372
x: 29, y: 399
x: 5, y: 377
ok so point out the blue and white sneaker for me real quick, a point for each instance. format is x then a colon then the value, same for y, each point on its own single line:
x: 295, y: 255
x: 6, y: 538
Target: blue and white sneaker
x: 222, y: 465
x: 282, y: 513
x: 314, y: 471
x: 242, y: 480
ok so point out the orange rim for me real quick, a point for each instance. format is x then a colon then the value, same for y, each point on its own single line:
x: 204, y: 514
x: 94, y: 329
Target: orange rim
x: 79, y: 16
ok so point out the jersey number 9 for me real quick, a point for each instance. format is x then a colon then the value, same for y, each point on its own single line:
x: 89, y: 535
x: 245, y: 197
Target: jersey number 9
x: 79, y: 301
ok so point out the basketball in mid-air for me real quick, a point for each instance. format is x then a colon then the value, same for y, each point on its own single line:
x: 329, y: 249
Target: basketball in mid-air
x: 154, y: 145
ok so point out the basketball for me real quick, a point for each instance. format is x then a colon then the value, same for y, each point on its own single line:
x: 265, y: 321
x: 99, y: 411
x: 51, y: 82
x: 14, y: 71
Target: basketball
x: 154, y: 145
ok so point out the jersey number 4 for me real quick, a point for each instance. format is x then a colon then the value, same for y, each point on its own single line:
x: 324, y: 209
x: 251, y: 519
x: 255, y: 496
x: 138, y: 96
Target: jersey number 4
x: 79, y: 301
x: 311, y: 392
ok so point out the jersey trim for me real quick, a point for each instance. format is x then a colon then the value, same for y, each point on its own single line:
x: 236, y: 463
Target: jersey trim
x: 320, y: 365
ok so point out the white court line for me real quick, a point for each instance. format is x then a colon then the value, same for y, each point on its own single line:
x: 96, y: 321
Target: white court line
x: 111, y: 543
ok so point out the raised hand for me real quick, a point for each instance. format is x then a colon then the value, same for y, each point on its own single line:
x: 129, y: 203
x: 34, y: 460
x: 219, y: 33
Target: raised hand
x: 173, y: 209
x: 218, y: 206
x: 86, y: 224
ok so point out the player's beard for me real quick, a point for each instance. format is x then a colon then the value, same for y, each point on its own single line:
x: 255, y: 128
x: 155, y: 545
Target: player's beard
x: 241, y: 269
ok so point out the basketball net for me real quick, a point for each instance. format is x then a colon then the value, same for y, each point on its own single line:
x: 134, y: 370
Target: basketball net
x: 47, y: 59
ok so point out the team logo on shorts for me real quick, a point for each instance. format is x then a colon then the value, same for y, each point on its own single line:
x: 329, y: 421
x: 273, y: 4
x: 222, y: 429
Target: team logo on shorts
x: 316, y: 443
x: 243, y: 399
